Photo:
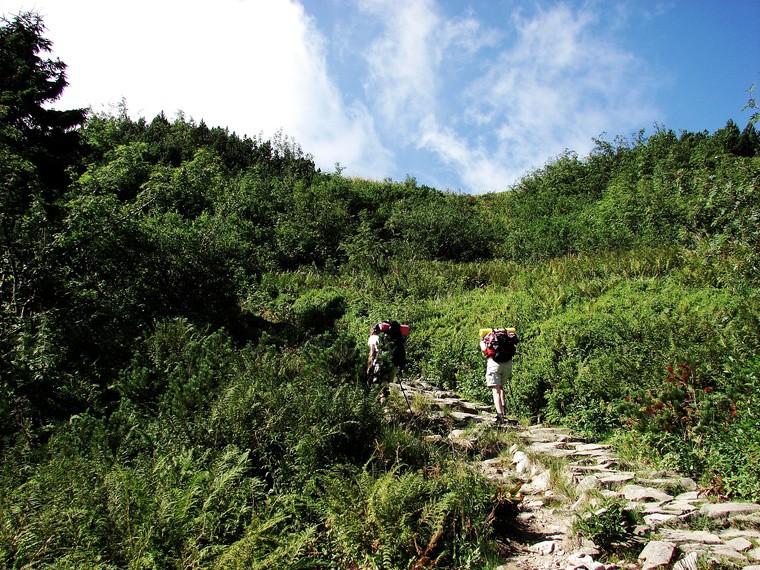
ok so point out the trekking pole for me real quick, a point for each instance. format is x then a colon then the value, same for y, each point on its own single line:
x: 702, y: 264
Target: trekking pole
x: 400, y: 385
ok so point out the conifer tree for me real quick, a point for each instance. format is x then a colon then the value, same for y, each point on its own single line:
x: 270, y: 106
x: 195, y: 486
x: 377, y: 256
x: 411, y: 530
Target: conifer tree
x: 28, y: 82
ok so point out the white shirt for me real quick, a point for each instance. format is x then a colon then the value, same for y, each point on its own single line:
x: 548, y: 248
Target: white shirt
x: 373, y: 342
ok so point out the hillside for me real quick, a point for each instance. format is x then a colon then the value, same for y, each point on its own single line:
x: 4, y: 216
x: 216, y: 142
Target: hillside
x: 184, y: 315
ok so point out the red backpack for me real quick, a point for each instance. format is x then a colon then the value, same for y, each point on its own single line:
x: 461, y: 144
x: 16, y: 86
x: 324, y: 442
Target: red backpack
x: 499, y: 345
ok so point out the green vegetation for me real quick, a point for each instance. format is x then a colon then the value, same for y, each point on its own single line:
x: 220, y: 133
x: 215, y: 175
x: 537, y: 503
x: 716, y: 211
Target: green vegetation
x: 184, y: 312
x: 610, y: 526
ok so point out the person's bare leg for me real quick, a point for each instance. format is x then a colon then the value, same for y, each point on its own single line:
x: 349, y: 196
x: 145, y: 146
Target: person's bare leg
x: 498, y: 400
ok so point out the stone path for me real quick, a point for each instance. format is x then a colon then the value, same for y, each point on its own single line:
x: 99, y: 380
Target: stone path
x: 561, y: 477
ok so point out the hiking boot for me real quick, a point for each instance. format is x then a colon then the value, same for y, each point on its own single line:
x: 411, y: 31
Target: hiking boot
x: 499, y: 419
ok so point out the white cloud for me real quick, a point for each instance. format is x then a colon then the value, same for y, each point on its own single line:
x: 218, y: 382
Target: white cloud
x: 476, y: 167
x: 555, y: 86
x: 548, y: 81
x: 248, y: 65
x: 405, y: 60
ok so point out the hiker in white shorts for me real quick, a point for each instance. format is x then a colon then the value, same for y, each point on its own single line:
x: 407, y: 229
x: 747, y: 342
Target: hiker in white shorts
x: 498, y: 346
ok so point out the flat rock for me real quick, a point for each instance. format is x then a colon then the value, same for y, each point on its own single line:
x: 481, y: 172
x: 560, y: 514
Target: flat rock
x: 589, y: 547
x: 616, y: 479
x: 459, y: 439
x: 657, y: 554
x: 581, y: 561
x: 544, y: 446
x: 689, y: 497
x: 533, y: 504
x: 588, y: 483
x: 519, y: 456
x: 724, y: 510
x: 739, y: 544
x: 639, y: 493
x: 678, y: 507
x: 656, y: 519
x: 724, y: 551
x: 750, y: 520
x: 466, y: 417
x: 545, y: 436
x: 591, y: 447
x: 494, y: 462
x: 595, y: 469
x: 646, y: 508
x: 538, y: 484
x: 683, y: 482
x: 730, y: 533
x: 544, y: 548
x: 600, y: 454
x: 690, y: 536
x: 754, y: 554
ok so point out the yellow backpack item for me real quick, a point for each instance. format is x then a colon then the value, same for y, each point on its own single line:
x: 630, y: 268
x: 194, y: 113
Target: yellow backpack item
x: 484, y: 332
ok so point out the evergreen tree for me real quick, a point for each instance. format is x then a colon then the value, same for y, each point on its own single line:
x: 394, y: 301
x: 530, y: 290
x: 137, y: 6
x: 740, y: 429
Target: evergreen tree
x: 45, y: 137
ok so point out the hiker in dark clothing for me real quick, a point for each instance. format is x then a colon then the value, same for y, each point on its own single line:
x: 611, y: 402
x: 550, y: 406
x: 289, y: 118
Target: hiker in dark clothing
x: 387, y: 355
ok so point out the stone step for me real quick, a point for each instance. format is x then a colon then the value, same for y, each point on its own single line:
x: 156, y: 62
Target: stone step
x: 465, y: 417
x: 594, y: 461
x: 616, y: 480
x: 728, y: 510
x: 685, y: 483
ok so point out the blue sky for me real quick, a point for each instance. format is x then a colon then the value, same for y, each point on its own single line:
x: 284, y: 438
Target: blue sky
x: 466, y: 96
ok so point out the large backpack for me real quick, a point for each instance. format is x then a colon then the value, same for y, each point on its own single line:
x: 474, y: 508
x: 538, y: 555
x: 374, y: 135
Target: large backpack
x: 499, y: 345
x: 393, y: 341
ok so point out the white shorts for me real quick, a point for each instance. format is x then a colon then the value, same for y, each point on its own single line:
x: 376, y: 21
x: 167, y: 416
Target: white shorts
x: 497, y: 373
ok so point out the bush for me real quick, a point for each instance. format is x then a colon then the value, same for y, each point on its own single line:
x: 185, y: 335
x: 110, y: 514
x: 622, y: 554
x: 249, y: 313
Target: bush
x: 609, y: 526
x: 397, y: 520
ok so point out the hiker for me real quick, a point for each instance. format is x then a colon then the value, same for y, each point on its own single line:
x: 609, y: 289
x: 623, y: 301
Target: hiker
x: 387, y: 355
x: 498, y: 346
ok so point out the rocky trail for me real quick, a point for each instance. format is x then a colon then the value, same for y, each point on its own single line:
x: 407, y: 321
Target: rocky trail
x: 562, y: 478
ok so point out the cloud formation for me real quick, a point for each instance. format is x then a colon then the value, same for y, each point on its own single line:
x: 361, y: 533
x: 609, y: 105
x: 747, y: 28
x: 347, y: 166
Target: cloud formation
x: 255, y: 67
x: 472, y: 99
x: 554, y: 84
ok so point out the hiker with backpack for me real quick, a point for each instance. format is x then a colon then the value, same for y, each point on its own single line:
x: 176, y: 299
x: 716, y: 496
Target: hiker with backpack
x: 387, y: 355
x: 498, y: 346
